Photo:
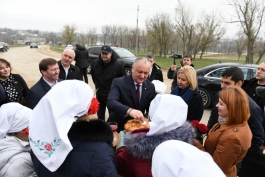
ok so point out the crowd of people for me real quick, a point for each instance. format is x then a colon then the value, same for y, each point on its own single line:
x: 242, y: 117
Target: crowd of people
x: 48, y: 130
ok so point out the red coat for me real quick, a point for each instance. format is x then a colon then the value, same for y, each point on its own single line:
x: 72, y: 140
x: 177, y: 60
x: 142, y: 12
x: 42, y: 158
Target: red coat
x: 129, y: 166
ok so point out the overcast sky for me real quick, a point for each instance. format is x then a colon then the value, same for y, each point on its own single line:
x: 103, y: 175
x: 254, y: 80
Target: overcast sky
x: 52, y: 15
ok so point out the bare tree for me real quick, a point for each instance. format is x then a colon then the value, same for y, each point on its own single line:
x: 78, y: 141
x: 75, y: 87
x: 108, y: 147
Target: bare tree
x: 240, y: 43
x: 160, y: 29
x: 105, y: 32
x: 213, y: 31
x: 113, y: 35
x: 250, y: 14
x: 184, y: 27
x: 259, y: 48
x: 122, y: 32
x: 91, y: 36
x: 69, y: 34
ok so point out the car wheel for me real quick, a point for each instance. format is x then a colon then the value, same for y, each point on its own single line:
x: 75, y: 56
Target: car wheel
x: 206, y: 97
x: 128, y: 70
x: 88, y: 70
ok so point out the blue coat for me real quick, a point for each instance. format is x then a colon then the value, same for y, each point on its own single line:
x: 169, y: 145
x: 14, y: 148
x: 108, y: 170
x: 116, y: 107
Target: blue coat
x: 92, y: 154
x: 122, y: 96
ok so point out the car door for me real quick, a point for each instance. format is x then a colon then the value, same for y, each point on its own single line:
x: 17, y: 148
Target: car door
x: 213, y: 79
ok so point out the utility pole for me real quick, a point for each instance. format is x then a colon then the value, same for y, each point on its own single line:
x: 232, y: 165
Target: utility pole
x: 137, y: 32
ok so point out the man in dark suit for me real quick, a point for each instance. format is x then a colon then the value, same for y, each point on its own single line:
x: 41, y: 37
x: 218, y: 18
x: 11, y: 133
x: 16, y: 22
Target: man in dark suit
x: 130, y: 96
x: 50, y: 75
x: 67, y: 70
x: 155, y: 72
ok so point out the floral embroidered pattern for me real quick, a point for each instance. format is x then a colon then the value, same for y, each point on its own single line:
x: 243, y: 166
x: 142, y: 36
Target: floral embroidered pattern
x: 47, y: 148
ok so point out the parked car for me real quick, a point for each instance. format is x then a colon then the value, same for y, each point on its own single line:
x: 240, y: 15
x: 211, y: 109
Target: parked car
x: 209, y: 79
x: 33, y: 45
x: 124, y: 55
x: 3, y: 47
x: 69, y: 47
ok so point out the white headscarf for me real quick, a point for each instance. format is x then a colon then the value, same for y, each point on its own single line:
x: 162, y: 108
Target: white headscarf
x: 179, y: 159
x: 167, y: 112
x: 160, y: 87
x: 13, y: 118
x: 53, y: 117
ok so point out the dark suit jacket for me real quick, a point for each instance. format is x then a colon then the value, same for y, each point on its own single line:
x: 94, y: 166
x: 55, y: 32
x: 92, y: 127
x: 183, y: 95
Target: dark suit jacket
x: 122, y: 96
x: 36, y: 92
x: 73, y: 72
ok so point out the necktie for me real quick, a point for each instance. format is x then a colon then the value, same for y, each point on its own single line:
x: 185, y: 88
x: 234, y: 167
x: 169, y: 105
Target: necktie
x: 137, y: 94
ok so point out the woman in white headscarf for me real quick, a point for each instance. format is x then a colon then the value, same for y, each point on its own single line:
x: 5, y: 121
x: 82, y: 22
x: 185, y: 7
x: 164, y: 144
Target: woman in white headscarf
x: 168, y: 114
x: 178, y: 159
x: 15, y: 160
x: 64, y: 141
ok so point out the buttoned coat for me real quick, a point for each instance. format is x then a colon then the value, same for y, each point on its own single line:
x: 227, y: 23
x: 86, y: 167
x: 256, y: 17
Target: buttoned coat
x: 36, y: 92
x: 122, y: 96
x: 228, y: 145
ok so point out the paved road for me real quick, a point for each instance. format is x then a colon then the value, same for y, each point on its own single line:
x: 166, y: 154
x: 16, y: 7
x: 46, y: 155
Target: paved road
x: 25, y: 61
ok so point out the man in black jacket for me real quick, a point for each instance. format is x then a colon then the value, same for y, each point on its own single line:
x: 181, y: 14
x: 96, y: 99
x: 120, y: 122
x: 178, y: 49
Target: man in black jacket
x: 81, y: 60
x: 67, y: 70
x: 234, y: 76
x: 155, y: 72
x: 173, y: 70
x: 103, y: 71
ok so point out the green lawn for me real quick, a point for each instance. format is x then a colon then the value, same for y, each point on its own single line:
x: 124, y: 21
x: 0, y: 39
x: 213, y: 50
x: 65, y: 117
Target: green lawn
x: 57, y: 48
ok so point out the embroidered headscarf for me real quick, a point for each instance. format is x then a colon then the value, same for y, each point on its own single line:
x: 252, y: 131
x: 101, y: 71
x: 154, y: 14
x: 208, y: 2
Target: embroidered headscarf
x: 180, y: 159
x: 53, y: 117
x: 167, y: 112
x: 13, y: 118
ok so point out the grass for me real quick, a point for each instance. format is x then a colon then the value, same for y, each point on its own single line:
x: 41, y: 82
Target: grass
x: 17, y: 45
x: 57, y: 48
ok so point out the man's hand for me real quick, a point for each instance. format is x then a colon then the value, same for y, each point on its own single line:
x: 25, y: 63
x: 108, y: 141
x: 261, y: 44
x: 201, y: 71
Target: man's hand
x: 173, y: 67
x: 136, y: 114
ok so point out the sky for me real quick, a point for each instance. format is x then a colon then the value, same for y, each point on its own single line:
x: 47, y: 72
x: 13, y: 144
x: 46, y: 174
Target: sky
x: 52, y: 15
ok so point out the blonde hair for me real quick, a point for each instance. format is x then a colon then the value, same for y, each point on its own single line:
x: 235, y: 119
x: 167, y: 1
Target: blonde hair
x: 190, y: 73
x: 237, y: 103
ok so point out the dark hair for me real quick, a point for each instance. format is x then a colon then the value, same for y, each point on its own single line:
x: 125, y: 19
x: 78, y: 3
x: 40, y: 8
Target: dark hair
x: 78, y: 45
x: 235, y: 73
x: 187, y: 56
x: 44, y: 63
x: 5, y: 61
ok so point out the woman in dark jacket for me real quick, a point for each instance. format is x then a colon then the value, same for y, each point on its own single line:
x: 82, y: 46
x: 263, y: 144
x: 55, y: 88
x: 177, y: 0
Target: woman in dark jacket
x: 14, y: 85
x: 81, y: 60
x: 187, y: 90
x: 71, y: 145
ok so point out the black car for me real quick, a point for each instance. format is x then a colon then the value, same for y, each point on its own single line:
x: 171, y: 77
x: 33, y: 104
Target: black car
x: 209, y: 79
x: 124, y: 55
x: 33, y: 45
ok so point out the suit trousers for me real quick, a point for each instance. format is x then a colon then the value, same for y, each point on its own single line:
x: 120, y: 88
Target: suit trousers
x: 102, y: 110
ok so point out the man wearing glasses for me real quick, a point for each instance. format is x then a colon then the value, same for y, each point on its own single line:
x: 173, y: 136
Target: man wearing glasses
x: 155, y: 72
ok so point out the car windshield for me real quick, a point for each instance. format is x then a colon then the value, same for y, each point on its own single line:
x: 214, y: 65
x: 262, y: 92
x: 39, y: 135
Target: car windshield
x: 33, y: 43
x: 123, y: 53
